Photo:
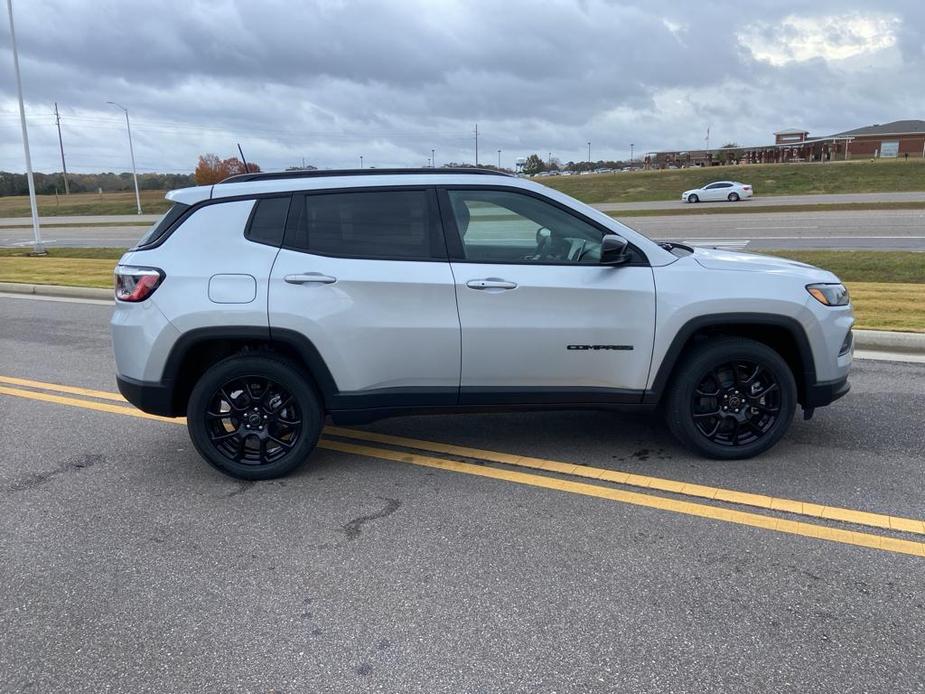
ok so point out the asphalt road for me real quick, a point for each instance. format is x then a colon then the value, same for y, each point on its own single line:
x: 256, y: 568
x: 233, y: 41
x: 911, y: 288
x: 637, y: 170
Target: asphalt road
x: 860, y: 229
x: 127, y: 564
x: 769, y: 201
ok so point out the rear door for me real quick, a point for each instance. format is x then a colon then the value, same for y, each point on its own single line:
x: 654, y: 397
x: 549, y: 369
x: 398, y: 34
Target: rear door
x: 542, y: 320
x: 363, y: 275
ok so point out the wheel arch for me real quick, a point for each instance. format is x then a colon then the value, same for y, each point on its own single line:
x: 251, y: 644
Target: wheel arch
x: 783, y: 334
x: 196, y: 350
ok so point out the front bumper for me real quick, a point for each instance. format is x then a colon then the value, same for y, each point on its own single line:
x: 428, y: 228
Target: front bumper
x: 825, y: 393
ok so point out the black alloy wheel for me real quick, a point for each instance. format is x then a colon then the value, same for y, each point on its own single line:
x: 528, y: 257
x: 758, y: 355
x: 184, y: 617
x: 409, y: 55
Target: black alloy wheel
x: 255, y: 415
x: 736, y: 404
x: 731, y: 398
x: 253, y: 420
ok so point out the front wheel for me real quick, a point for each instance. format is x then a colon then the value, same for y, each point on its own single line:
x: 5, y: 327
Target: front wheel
x: 732, y: 398
x: 254, y: 417
x: 693, y: 198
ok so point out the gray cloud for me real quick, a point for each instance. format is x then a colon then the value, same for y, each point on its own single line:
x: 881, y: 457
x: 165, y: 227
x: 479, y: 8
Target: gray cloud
x: 331, y: 80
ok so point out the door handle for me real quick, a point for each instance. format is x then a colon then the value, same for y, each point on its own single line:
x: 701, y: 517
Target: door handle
x: 491, y: 283
x: 310, y: 278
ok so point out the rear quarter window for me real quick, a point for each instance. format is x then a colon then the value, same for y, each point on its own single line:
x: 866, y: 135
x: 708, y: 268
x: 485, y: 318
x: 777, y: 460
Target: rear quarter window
x: 160, y: 227
x: 268, y: 221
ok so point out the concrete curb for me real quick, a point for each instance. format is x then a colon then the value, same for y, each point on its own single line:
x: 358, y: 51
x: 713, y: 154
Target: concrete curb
x: 872, y: 340
x: 887, y: 341
x: 56, y: 290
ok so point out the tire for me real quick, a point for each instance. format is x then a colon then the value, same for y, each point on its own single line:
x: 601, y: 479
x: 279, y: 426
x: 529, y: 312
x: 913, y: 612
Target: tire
x: 733, y: 197
x: 693, y: 198
x: 732, y: 398
x: 254, y: 416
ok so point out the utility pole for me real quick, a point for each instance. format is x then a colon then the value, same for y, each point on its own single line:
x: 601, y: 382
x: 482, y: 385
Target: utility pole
x: 37, y: 247
x: 61, y: 146
x: 131, y: 150
x: 708, y: 137
x: 476, y: 144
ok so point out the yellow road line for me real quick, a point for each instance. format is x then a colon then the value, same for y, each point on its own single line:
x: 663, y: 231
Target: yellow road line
x: 849, y: 537
x: 689, y: 508
x: 74, y: 390
x: 85, y: 404
x: 803, y: 508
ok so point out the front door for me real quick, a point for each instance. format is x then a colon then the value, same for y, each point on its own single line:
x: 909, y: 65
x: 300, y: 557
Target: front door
x: 542, y: 320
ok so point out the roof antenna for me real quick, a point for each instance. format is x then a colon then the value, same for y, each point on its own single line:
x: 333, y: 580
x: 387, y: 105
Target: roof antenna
x: 243, y: 160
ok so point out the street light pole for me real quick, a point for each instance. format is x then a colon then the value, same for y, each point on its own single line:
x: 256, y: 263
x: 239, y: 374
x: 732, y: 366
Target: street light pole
x: 631, y: 152
x: 131, y: 150
x: 433, y: 160
x: 361, y: 161
x: 499, y: 158
x: 37, y: 247
x: 589, y: 152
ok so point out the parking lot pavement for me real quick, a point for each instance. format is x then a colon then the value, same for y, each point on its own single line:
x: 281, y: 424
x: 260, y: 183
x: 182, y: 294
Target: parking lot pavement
x: 419, y: 564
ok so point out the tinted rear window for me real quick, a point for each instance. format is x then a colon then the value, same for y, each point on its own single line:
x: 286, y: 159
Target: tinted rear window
x: 160, y: 227
x: 399, y: 224
x: 268, y: 221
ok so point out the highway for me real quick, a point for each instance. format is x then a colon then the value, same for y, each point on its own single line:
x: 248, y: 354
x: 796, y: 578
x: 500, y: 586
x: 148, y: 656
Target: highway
x: 479, y: 553
x: 768, y: 201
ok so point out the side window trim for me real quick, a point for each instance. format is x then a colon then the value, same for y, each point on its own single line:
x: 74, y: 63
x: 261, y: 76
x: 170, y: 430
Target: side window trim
x: 454, y: 244
x: 297, y: 224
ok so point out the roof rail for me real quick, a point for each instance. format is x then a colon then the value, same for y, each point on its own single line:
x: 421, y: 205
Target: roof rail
x: 323, y: 173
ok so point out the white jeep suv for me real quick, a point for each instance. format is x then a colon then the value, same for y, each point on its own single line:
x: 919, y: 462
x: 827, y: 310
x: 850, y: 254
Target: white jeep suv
x: 261, y: 305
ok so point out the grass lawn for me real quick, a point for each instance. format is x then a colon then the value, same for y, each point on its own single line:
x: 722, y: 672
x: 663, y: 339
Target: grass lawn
x: 152, y: 202
x: 767, y: 179
x: 887, y: 288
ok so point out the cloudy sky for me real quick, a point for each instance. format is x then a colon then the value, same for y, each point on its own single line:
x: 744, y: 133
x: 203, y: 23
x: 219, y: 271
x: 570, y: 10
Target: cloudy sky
x: 331, y: 80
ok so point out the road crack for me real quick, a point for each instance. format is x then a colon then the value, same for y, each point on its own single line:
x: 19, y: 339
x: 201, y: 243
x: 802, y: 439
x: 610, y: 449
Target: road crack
x: 37, y: 479
x: 352, y: 528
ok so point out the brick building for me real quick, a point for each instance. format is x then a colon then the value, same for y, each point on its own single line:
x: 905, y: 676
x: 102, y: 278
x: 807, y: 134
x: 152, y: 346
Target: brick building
x: 897, y: 139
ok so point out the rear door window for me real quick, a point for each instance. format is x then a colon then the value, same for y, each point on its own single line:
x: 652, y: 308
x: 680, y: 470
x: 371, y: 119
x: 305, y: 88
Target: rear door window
x: 388, y: 225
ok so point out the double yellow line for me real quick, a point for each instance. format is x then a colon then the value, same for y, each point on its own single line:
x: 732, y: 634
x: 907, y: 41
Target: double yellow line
x: 560, y: 476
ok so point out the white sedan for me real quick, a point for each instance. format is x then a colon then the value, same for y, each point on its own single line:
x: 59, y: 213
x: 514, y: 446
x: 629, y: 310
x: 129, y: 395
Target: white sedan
x: 733, y: 191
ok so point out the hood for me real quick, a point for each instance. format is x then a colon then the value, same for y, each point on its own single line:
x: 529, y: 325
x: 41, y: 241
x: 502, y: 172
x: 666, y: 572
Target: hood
x: 713, y: 259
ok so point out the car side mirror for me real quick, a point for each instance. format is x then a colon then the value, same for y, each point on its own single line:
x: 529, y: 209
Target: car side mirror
x: 613, y: 250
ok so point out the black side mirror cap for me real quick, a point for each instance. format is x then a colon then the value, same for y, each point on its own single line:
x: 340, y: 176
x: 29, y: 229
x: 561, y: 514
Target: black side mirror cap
x: 613, y: 250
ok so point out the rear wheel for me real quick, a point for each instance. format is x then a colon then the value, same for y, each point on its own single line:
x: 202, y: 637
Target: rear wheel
x: 693, y: 198
x: 733, y: 197
x: 733, y: 398
x: 254, y: 417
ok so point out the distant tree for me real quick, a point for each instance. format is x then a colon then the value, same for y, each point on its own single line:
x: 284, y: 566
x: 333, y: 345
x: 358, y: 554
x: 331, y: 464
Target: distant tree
x: 211, y: 169
x: 534, y: 165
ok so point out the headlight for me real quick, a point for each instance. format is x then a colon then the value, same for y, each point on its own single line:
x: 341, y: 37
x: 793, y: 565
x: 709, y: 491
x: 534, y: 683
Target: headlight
x: 829, y: 294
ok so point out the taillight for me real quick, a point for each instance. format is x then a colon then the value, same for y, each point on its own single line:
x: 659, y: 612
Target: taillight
x: 135, y: 284
x: 746, y: 187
